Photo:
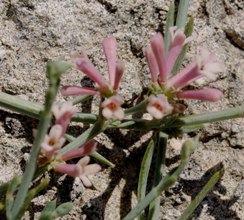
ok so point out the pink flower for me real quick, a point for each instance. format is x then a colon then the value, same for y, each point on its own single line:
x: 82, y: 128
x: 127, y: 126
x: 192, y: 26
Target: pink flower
x: 209, y: 94
x: 161, y: 64
x: 205, y: 65
x: 63, y: 114
x: 52, y: 142
x: 156, y: 55
x: 112, y: 108
x: 81, y: 170
x: 115, y: 71
x: 83, y: 150
x: 158, y: 106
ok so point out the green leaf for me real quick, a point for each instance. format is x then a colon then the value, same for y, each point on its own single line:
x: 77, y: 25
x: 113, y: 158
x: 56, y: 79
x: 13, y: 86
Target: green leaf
x: 31, y: 194
x: 50, y: 207
x: 160, y: 164
x: 64, y: 209
x: 12, y: 187
x: 48, y: 213
x: 182, y: 13
x: 169, y: 23
x: 202, y: 194
x: 144, y: 171
x: 188, y: 32
x: 90, y: 133
x: 165, y: 183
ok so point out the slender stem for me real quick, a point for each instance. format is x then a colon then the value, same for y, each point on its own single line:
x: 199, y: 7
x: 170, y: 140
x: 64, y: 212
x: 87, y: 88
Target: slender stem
x: 160, y: 164
x: 54, y: 70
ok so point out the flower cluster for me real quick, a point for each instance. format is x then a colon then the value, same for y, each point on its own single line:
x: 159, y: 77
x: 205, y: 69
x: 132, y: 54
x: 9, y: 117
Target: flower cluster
x: 112, y: 104
x: 171, y: 86
x: 166, y: 88
x: 54, y: 141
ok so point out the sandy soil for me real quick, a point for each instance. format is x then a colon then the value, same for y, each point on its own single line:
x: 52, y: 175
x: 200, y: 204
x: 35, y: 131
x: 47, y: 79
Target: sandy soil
x: 32, y: 32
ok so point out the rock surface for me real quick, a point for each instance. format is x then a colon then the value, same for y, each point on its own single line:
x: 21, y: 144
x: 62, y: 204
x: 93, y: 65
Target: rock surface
x: 34, y: 31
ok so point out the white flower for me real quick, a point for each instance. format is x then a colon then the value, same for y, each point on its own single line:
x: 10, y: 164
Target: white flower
x: 60, y: 111
x: 208, y: 65
x: 53, y: 141
x: 158, y: 106
x: 112, y: 108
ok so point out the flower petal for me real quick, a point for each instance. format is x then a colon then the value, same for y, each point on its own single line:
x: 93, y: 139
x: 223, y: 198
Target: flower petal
x: 84, y: 149
x: 120, y: 67
x: 157, y: 44
x: 86, y: 66
x: 152, y: 64
x: 77, y: 90
x: 109, y: 47
x: 208, y: 94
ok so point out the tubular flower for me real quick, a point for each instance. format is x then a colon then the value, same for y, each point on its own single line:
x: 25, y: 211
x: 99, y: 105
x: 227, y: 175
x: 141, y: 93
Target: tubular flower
x: 161, y: 64
x: 81, y: 170
x: 158, y: 106
x: 63, y: 114
x: 54, y: 141
x: 115, y: 72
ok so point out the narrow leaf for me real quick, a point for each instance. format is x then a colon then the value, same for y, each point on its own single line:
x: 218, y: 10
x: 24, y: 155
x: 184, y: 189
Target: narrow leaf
x: 160, y: 164
x: 182, y: 13
x: 12, y: 187
x: 165, y: 183
x: 202, y: 194
x: 169, y: 23
x: 188, y: 32
x: 64, y: 209
x: 31, y: 194
x: 144, y: 171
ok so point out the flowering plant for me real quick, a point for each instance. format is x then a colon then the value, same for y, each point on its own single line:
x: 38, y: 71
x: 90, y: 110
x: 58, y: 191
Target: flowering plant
x: 56, y: 149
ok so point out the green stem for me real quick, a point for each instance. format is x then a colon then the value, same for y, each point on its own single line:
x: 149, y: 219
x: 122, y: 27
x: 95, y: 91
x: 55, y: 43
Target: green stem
x: 54, y: 70
x: 159, y: 167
